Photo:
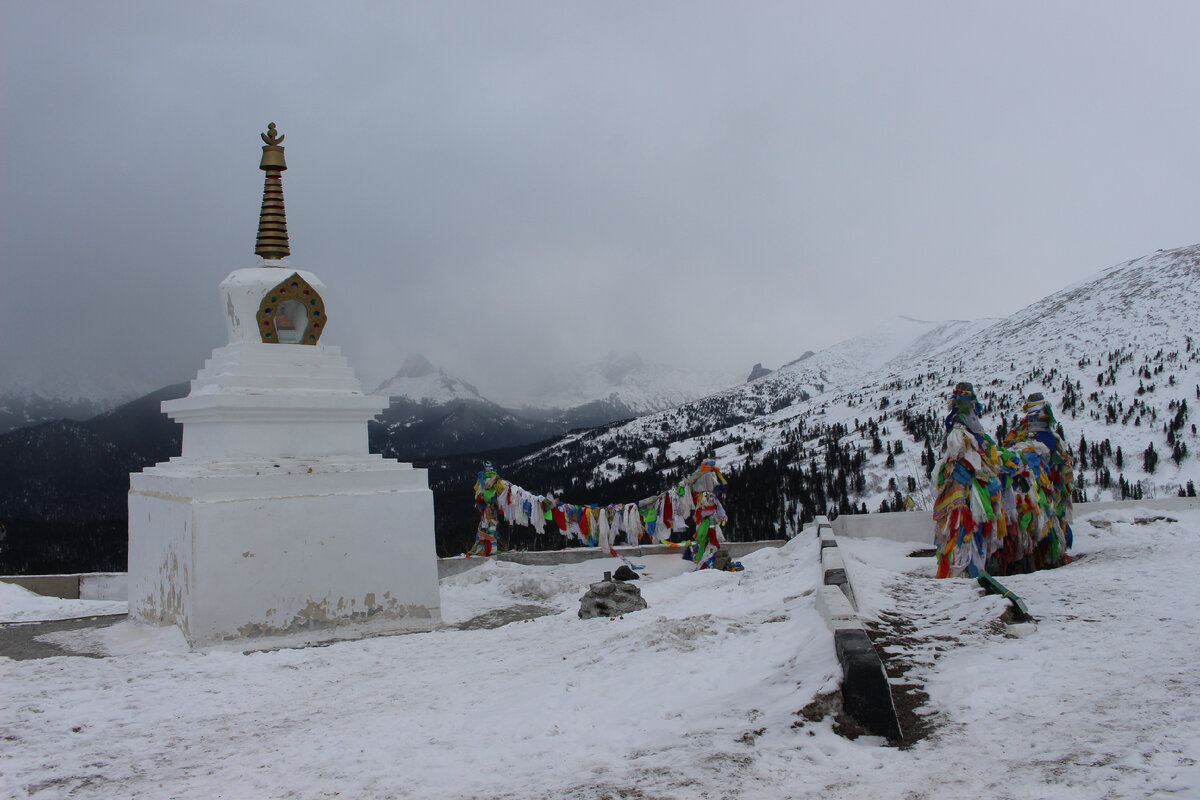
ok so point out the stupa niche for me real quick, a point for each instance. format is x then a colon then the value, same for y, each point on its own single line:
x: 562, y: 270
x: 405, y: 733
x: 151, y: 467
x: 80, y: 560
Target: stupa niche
x: 276, y: 522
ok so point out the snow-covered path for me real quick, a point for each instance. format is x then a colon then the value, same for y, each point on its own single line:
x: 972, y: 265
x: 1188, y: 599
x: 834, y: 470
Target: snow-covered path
x: 694, y: 697
x: 1103, y: 701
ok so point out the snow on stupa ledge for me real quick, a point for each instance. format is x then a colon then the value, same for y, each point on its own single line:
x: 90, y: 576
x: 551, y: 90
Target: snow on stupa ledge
x: 255, y: 399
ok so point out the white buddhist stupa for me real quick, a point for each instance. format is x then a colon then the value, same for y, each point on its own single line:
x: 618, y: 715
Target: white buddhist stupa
x: 276, y: 524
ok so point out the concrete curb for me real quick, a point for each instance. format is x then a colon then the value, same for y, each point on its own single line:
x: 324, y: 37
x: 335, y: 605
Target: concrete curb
x: 866, y: 693
x: 575, y: 555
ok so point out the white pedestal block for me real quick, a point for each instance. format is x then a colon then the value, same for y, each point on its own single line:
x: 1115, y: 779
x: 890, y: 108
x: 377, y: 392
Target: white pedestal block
x: 276, y: 523
x: 227, y: 550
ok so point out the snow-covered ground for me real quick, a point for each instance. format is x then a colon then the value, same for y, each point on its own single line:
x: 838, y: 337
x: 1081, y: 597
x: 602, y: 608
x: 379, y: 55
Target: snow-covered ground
x: 695, y: 697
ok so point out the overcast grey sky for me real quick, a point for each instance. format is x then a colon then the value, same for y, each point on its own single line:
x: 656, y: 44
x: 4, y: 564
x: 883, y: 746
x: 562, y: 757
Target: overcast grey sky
x: 503, y: 186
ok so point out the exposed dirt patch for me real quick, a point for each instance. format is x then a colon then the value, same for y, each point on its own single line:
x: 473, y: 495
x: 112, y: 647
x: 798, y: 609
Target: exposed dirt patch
x: 749, y: 737
x: 1105, y: 524
x: 893, y: 636
x: 503, y: 616
x: 1011, y: 616
x: 830, y: 705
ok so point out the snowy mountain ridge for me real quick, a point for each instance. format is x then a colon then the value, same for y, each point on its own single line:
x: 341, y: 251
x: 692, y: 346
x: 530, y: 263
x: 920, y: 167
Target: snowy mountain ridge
x: 420, y: 381
x: 896, y: 341
x: 23, y: 408
x: 626, y: 382
x: 1113, y: 353
x: 629, y: 380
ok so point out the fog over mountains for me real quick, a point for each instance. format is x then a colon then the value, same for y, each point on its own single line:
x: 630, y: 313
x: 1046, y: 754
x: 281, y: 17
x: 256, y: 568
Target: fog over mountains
x: 853, y: 427
x: 432, y: 413
x: 627, y: 384
x: 624, y: 380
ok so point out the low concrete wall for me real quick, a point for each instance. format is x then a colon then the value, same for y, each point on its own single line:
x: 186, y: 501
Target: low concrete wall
x: 1157, y: 504
x: 900, y: 526
x: 75, y: 586
x: 454, y: 566
x: 64, y: 586
x: 576, y: 555
x: 104, y: 586
x: 866, y: 692
x: 917, y: 526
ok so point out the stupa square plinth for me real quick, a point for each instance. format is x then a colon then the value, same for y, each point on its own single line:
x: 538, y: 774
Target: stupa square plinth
x: 288, y: 549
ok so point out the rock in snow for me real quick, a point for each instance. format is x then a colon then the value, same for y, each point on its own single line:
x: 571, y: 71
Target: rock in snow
x: 610, y: 598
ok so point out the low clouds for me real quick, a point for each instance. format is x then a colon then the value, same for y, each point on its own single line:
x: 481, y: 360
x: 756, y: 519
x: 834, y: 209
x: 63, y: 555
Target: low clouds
x: 507, y: 186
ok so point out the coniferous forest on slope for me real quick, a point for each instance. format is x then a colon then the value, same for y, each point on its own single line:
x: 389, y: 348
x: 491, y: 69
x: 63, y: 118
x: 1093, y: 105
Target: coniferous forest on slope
x: 64, y: 508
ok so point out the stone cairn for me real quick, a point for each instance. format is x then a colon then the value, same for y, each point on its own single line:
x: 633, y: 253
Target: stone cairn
x: 610, y: 598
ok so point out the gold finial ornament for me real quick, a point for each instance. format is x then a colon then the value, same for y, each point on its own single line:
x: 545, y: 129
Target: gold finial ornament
x: 272, y: 136
x: 272, y: 221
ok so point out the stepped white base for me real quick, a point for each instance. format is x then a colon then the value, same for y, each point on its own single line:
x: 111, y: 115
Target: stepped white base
x: 283, y: 549
x: 276, y: 524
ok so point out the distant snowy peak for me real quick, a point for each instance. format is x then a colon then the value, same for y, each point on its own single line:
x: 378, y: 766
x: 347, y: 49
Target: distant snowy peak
x: 937, y: 339
x: 420, y: 381
x: 900, y: 340
x: 20, y: 409
x: 623, y: 380
x: 630, y: 380
x: 102, y: 392
x: 758, y: 371
x: 889, y: 346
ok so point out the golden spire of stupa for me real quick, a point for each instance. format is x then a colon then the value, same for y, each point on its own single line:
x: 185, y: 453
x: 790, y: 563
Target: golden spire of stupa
x: 272, y: 222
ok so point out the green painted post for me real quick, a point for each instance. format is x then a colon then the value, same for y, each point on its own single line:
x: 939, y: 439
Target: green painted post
x: 992, y: 586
